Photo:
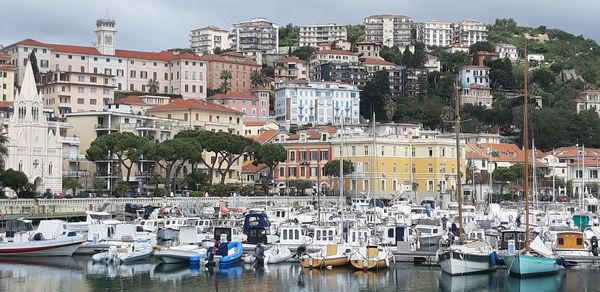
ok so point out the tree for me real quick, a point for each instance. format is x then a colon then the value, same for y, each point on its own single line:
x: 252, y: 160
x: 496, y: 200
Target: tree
x: 121, y: 189
x: 17, y: 181
x: 234, y: 146
x: 225, y: 83
x: 257, y: 79
x: 481, y: 47
x: 304, y: 52
x: 374, y: 95
x: 3, y: 149
x: 71, y: 183
x: 34, y: 67
x: 407, y: 57
x: 126, y: 147
x: 332, y: 168
x: 153, y: 86
x: 267, y: 71
x: 300, y: 185
x: 172, y: 155
x: 99, y: 184
x: 288, y: 35
x: 270, y: 155
x: 355, y: 34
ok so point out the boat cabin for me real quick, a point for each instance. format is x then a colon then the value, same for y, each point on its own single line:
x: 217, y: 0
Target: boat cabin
x: 15, y: 226
x: 391, y: 235
x: 324, y: 235
x: 428, y: 203
x: 358, y: 236
x: 582, y: 221
x: 292, y: 235
x: 230, y: 232
x: 569, y: 240
x: 518, y: 236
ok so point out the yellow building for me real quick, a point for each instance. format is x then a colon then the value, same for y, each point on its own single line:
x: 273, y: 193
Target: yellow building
x: 388, y: 165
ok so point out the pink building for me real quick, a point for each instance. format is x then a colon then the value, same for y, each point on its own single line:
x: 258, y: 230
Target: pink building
x: 253, y: 103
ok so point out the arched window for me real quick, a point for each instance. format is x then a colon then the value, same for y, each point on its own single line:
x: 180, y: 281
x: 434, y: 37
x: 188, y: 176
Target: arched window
x: 210, y: 118
x: 50, y: 166
x: 21, y: 166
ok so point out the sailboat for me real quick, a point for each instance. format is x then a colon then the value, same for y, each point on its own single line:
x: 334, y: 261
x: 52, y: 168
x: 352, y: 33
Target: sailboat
x: 464, y: 257
x: 535, y: 258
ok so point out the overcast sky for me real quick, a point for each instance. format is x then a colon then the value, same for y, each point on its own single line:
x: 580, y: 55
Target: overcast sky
x: 154, y: 25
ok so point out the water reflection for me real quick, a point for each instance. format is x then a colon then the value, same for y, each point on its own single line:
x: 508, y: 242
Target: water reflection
x: 79, y: 274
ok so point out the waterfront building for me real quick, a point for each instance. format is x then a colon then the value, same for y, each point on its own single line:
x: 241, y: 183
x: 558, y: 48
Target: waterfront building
x: 588, y: 99
x: 396, y: 165
x: 240, y: 67
x: 7, y: 78
x: 257, y: 35
x: 368, y: 49
x: 34, y: 144
x: 291, y: 68
x: 182, y: 74
x: 253, y: 104
x: 435, y: 33
x: 475, y: 86
x: 507, y: 51
x: 389, y: 29
x: 67, y: 92
x: 312, y: 35
x: 205, y: 40
x: 316, y: 103
x: 469, y: 31
x: 308, y: 150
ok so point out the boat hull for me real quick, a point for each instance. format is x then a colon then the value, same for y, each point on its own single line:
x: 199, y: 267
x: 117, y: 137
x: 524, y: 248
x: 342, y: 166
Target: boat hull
x: 321, y: 262
x: 454, y: 263
x: 526, y: 265
x: 171, y: 256
x: 370, y: 264
x: 167, y: 234
x: 430, y: 240
x: 51, y: 247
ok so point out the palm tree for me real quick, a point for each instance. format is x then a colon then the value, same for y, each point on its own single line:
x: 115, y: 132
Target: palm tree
x: 257, y: 79
x: 153, y: 86
x: 3, y: 149
x: 225, y: 85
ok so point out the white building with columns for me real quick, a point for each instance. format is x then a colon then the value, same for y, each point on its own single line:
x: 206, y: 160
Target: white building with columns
x: 34, y: 147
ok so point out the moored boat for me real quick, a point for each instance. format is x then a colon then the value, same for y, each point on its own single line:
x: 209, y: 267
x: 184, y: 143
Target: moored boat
x: 371, y: 257
x: 468, y: 258
x: 50, y: 239
x: 331, y: 255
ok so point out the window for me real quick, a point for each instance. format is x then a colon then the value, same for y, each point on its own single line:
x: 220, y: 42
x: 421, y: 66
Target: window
x: 292, y: 155
x: 132, y: 74
x: 430, y: 168
x: 93, y: 101
x: 80, y: 101
x: 185, y: 116
x: 292, y: 171
x: 413, y: 153
x: 93, y: 79
x: 302, y: 171
x: 314, y: 155
x: 430, y: 151
x: 282, y: 171
x: 80, y: 89
x: 366, y: 150
x: 324, y: 155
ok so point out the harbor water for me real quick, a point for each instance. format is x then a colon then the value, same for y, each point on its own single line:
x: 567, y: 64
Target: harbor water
x: 80, y: 274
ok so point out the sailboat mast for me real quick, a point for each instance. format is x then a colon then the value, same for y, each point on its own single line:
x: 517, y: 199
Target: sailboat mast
x: 526, y: 146
x: 342, y: 201
x: 458, y: 173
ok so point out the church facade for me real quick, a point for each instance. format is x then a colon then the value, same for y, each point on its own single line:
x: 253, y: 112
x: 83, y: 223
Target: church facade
x: 33, y: 147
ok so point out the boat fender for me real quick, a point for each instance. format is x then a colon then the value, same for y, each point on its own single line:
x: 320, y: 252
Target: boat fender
x: 594, y: 244
x: 561, y: 262
x: 494, y: 258
x: 195, y: 260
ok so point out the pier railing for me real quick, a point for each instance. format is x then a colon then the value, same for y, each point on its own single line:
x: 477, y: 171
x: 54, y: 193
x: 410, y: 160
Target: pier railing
x: 26, y: 207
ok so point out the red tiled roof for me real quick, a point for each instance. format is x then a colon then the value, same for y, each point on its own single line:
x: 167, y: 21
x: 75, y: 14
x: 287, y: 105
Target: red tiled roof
x: 130, y: 100
x: 251, y: 168
x: 218, y: 58
x: 254, y: 123
x: 314, y: 134
x: 233, y: 54
x: 196, y: 104
x: 29, y: 42
x: 586, y: 162
x: 506, y: 152
x: 234, y: 95
x: 4, y: 104
x: 335, y: 52
x: 291, y: 59
x: 160, y: 56
x: 265, y: 136
x: 186, y: 56
x: 377, y: 61
x: 573, y: 152
x: 74, y: 49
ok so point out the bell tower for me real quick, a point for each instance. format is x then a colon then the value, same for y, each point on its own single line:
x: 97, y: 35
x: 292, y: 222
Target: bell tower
x: 105, y: 36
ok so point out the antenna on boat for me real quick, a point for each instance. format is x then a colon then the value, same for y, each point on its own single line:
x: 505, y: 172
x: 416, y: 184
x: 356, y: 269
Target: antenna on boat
x: 526, y: 146
x: 458, y: 172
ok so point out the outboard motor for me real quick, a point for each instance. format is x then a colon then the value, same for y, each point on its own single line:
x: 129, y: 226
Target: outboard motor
x: 300, y: 251
x: 594, y: 244
x: 38, y: 236
x: 259, y: 256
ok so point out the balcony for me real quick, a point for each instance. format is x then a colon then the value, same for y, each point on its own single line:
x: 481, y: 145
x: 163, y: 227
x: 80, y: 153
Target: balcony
x: 71, y: 140
x: 100, y: 127
x: 74, y: 157
x: 75, y: 173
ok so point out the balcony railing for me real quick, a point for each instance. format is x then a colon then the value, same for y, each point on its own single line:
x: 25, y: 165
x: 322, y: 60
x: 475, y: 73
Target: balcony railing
x: 75, y: 173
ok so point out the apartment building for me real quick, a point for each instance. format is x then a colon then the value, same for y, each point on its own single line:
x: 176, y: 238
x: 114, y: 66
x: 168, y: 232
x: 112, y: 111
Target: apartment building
x: 326, y: 56
x: 67, y: 92
x: 240, y: 67
x: 469, y: 31
x: 90, y: 125
x: 312, y: 35
x: 205, y: 40
x: 291, y: 68
x: 181, y: 74
x: 7, y: 78
x: 253, y: 104
x: 391, y: 30
x: 317, y: 103
x: 507, y: 51
x: 341, y: 72
x: 308, y: 151
x: 376, y: 64
x: 588, y: 99
x: 475, y: 86
x: 257, y: 35
x: 435, y: 33
x: 368, y: 49
x: 393, y: 165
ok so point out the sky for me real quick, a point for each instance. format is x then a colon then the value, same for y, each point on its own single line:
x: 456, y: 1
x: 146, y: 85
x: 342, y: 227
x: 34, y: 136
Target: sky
x: 154, y: 25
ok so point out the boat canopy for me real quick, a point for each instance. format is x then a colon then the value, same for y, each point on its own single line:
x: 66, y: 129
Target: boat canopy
x: 256, y: 220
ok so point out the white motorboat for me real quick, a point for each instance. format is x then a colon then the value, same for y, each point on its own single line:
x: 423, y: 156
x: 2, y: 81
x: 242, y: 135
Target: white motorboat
x: 429, y: 231
x: 130, y: 253
x: 50, y: 239
x: 468, y: 258
x: 278, y: 254
x: 190, y: 245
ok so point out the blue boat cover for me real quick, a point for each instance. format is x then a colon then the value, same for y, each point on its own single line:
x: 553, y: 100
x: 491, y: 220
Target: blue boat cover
x: 256, y: 220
